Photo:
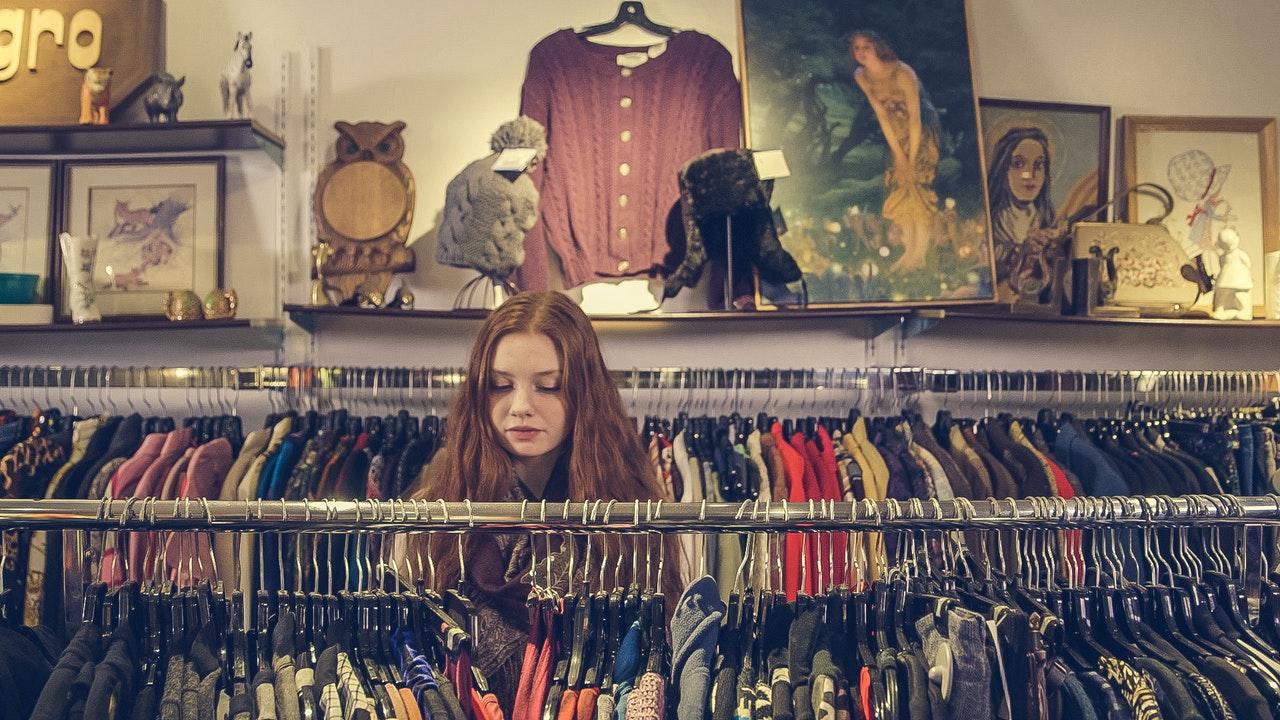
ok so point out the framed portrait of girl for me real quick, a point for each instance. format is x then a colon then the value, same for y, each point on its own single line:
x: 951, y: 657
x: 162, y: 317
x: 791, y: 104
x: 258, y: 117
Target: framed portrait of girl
x: 1045, y: 163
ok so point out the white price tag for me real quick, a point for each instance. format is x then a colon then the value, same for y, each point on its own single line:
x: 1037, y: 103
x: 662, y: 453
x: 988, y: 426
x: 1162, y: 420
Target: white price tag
x: 771, y: 164
x: 514, y: 159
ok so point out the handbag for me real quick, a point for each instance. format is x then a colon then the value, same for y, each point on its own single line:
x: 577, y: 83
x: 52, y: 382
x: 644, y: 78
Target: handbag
x: 1142, y: 266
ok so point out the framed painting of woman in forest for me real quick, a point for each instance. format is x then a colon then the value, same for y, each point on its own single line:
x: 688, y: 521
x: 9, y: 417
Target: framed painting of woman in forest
x: 873, y: 107
x: 1046, y: 163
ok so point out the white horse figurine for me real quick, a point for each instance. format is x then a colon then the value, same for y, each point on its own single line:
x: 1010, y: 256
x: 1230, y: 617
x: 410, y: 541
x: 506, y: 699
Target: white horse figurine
x: 236, y: 79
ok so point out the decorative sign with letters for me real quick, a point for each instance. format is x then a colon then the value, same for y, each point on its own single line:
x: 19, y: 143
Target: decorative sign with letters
x: 46, y: 45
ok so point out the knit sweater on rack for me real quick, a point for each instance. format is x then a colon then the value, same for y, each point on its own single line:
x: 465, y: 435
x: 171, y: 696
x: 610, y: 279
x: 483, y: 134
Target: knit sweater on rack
x: 617, y: 136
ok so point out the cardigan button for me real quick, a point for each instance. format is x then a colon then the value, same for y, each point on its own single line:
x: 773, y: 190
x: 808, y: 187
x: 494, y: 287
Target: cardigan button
x: 625, y: 102
x: 622, y: 266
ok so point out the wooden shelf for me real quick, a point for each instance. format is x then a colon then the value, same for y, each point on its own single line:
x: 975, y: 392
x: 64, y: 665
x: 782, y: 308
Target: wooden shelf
x: 865, y: 322
x: 131, y: 325
x: 1190, y: 322
x: 140, y: 139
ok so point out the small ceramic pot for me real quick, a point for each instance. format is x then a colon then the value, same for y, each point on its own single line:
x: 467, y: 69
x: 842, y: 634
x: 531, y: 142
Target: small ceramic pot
x: 220, y: 304
x: 182, y: 305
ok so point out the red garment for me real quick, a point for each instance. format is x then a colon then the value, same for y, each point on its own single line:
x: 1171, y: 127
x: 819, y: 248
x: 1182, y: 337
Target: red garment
x: 547, y: 656
x: 615, y: 131
x: 1072, y: 539
x: 587, y: 703
x: 568, y: 705
x: 812, y: 491
x: 485, y: 707
x: 459, y: 672
x: 864, y: 692
x: 528, y: 667
x: 795, y: 463
x: 829, y: 479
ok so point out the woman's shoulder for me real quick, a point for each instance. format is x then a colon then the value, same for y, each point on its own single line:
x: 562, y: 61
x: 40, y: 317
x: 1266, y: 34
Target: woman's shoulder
x: 904, y: 73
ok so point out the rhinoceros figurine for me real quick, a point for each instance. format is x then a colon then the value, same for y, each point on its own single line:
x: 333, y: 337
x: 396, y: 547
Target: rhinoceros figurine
x: 163, y: 98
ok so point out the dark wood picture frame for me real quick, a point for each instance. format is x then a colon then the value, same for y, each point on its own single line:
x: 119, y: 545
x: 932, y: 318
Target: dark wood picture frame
x: 160, y: 228
x: 29, y: 206
x: 1075, y: 140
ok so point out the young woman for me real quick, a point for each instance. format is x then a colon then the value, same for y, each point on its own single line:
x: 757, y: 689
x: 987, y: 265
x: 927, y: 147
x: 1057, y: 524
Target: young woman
x: 538, y: 417
x: 910, y: 126
x: 1024, y: 229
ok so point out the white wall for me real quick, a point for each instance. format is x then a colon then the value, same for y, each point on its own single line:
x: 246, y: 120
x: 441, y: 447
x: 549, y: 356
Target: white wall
x: 452, y: 71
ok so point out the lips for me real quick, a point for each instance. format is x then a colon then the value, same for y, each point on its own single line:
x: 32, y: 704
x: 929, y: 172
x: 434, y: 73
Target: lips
x: 523, y: 432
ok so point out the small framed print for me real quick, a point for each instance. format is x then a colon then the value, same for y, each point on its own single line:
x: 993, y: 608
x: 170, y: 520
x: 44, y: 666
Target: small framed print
x: 1221, y: 172
x: 27, y: 203
x: 1046, y: 163
x: 159, y: 225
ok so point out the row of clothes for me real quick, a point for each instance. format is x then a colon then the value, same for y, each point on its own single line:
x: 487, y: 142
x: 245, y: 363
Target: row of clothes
x: 732, y: 459
x: 296, y: 457
x: 169, y: 659
x: 1003, y: 651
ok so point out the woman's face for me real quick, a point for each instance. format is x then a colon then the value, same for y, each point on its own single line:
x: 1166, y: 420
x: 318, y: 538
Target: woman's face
x: 862, y: 50
x: 1026, y: 170
x: 526, y: 402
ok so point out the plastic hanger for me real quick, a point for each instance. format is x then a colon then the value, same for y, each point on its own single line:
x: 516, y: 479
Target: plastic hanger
x: 629, y: 13
x: 581, y: 625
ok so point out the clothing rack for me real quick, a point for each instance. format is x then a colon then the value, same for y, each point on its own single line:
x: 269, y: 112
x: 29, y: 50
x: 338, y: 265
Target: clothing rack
x: 1152, y: 384
x: 635, y: 516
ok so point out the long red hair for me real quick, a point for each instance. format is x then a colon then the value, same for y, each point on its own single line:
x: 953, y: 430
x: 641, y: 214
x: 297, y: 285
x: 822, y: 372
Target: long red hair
x: 606, y: 459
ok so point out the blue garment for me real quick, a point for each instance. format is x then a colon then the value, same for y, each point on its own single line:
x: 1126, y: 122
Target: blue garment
x: 1245, y: 459
x: 1096, y: 471
x: 417, y: 673
x: 625, y: 668
x: 10, y: 434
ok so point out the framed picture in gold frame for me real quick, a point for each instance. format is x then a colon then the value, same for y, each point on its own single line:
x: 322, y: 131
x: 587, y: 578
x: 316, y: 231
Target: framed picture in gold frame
x: 1221, y: 172
x: 873, y: 106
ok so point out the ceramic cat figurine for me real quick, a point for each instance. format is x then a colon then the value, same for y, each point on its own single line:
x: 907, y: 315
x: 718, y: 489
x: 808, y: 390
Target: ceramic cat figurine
x: 95, y: 96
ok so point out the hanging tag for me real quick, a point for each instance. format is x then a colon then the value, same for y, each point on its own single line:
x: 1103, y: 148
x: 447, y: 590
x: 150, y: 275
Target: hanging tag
x: 514, y: 159
x: 771, y: 164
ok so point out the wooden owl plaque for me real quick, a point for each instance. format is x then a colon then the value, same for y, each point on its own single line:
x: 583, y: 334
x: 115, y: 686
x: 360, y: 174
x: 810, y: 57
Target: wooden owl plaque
x: 364, y: 201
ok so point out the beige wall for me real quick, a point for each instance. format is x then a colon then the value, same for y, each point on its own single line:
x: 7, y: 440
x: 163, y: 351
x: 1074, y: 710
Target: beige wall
x: 452, y: 71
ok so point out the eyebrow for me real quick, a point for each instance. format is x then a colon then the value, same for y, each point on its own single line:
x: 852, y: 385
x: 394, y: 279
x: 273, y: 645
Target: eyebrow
x: 542, y: 374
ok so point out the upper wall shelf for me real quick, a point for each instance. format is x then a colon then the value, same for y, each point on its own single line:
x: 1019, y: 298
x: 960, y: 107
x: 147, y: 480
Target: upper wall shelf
x: 863, y: 322
x: 195, y: 136
x: 980, y: 313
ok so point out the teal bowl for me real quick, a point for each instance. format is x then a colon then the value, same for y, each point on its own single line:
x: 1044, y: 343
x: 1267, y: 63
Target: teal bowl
x: 18, y: 288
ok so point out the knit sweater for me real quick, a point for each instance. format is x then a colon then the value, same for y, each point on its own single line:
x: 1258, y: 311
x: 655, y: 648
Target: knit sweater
x: 617, y: 136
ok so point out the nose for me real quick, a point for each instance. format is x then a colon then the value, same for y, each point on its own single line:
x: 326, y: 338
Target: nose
x: 520, y: 402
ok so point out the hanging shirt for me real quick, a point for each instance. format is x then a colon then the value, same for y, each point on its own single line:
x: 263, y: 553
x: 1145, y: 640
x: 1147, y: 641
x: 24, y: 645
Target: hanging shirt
x: 620, y: 123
